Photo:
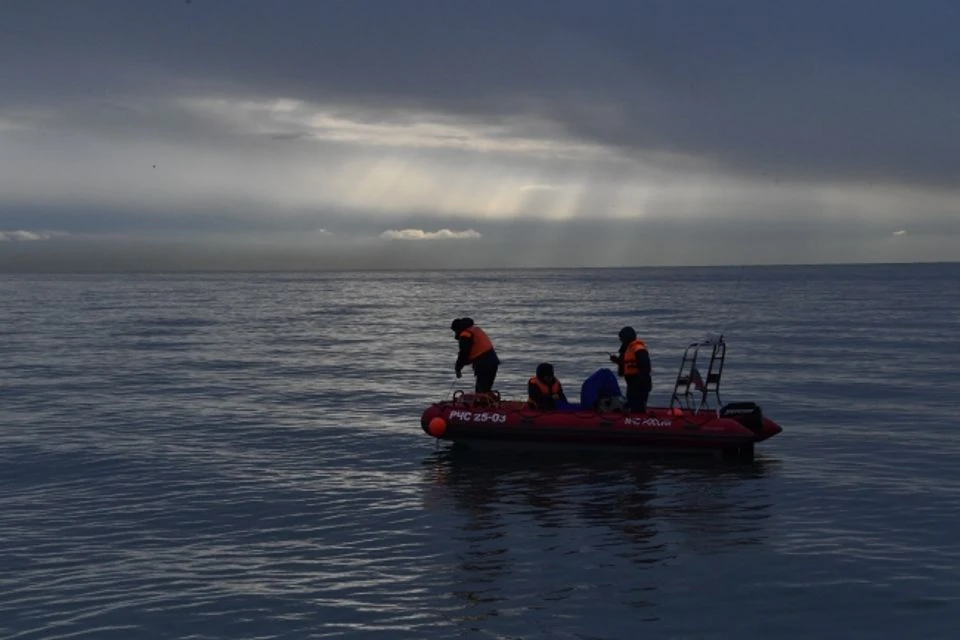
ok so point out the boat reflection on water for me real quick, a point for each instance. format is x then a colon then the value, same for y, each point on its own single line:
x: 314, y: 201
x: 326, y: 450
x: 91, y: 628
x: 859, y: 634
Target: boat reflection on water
x: 528, y: 528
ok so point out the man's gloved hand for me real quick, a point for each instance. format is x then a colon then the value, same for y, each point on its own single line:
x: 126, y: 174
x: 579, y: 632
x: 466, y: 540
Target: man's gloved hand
x: 459, y: 374
x: 614, y: 359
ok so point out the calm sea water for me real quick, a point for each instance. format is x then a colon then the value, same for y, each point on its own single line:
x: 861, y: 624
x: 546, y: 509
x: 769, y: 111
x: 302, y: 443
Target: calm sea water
x: 240, y: 456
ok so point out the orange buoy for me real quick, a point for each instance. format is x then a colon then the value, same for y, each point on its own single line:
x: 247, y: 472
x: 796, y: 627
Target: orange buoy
x: 437, y: 427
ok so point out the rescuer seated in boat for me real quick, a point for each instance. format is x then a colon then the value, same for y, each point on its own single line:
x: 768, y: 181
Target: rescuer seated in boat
x: 633, y: 363
x: 544, y: 390
x: 476, y: 349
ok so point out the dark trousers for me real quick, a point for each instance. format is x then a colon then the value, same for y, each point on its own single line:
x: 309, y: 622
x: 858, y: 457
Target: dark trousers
x: 638, y: 390
x: 485, y: 368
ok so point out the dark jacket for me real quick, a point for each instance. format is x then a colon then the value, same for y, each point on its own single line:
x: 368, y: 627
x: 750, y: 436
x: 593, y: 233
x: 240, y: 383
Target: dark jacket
x: 627, y: 336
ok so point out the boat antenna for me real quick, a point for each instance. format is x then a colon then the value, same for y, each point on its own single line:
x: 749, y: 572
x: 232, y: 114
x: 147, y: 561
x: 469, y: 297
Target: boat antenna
x: 729, y: 315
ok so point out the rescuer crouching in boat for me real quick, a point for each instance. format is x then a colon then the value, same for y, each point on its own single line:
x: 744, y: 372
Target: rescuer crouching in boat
x: 544, y: 390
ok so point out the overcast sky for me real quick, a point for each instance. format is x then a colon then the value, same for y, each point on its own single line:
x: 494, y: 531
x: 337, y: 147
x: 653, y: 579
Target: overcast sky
x: 356, y: 133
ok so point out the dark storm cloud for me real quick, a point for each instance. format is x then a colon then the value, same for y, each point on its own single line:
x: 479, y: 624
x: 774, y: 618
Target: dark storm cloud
x: 836, y: 90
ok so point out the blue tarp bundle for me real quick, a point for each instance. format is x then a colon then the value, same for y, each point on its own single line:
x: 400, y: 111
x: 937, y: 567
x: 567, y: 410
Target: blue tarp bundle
x: 602, y: 383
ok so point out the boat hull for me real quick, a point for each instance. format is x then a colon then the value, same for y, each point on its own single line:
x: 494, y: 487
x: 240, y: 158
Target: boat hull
x: 659, y: 429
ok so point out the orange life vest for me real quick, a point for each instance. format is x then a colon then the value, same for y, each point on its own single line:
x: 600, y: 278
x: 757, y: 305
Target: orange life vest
x: 630, y: 366
x: 553, y: 390
x: 481, y: 343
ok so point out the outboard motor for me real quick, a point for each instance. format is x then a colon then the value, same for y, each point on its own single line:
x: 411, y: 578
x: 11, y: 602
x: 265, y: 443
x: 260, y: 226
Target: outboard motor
x: 748, y: 414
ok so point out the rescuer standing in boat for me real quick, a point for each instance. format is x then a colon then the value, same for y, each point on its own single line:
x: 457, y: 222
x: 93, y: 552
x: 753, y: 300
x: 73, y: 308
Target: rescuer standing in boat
x: 633, y: 363
x: 476, y: 349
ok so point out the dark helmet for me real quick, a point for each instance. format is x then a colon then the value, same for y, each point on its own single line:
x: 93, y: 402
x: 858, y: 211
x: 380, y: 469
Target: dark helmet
x: 627, y: 334
x: 544, y: 370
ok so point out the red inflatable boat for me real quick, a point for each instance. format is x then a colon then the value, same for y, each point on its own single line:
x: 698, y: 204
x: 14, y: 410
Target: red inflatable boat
x: 690, y: 424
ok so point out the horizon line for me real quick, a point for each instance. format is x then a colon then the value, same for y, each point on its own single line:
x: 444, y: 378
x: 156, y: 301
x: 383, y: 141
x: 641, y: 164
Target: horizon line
x: 174, y: 271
